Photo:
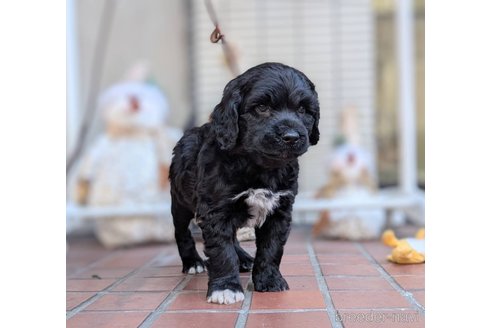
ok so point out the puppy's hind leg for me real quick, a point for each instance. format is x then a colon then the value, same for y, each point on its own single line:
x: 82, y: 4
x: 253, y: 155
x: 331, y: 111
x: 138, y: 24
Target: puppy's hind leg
x: 192, y: 262
x: 245, y: 260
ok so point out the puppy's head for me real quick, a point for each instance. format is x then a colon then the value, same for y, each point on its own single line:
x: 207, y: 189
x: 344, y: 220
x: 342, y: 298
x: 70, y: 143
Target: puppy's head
x: 271, y: 112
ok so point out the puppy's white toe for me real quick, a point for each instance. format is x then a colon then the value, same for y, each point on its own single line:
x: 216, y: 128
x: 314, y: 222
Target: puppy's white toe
x: 226, y: 296
x: 196, y: 269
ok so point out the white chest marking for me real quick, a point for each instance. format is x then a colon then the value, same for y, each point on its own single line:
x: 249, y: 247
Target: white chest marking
x: 261, y: 202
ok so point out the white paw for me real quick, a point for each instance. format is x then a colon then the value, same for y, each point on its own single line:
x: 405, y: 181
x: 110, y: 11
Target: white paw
x: 195, y: 269
x: 226, y: 296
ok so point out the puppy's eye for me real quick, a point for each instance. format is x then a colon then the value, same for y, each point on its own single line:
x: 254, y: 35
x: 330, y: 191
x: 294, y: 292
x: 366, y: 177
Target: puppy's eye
x: 301, y: 110
x: 262, y: 109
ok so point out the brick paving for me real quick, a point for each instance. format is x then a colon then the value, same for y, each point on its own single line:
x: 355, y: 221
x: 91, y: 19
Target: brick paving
x: 332, y: 284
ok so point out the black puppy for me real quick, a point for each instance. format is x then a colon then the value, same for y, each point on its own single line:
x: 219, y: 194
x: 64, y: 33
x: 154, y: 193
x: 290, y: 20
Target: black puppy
x: 241, y: 169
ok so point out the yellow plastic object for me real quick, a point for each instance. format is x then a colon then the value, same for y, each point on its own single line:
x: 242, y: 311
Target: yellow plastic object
x: 405, y: 251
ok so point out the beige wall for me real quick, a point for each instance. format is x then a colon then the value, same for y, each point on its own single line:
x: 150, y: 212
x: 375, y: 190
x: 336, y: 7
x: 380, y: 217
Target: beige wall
x: 151, y: 30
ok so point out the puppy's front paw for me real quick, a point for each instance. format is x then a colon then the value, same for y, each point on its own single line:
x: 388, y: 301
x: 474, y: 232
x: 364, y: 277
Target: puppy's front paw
x: 270, y: 283
x: 226, y: 296
x: 225, y: 290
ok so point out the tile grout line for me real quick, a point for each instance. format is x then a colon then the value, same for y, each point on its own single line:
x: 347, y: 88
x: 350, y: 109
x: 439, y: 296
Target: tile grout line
x: 261, y: 311
x: 105, y: 291
x: 330, y: 307
x: 407, y: 295
x: 248, y: 312
x: 152, y: 317
x: 243, y: 314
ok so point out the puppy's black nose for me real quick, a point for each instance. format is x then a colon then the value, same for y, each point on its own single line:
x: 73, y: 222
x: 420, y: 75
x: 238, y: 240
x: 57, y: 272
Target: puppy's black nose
x: 290, y: 136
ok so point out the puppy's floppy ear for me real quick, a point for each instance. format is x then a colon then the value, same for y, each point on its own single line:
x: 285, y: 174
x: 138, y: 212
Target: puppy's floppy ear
x: 225, y: 117
x: 314, y: 135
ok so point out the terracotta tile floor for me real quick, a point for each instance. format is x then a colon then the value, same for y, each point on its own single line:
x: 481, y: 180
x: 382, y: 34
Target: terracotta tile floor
x: 332, y: 284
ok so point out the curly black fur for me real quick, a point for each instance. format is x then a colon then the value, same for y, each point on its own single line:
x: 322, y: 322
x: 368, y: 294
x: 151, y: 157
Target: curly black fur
x: 266, y: 119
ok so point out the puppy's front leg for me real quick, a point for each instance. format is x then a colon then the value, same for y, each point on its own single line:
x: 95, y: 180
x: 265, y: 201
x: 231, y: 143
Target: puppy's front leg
x: 270, y: 241
x: 224, y: 286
